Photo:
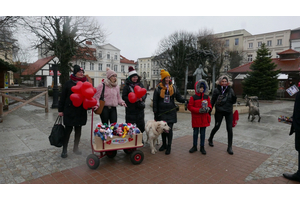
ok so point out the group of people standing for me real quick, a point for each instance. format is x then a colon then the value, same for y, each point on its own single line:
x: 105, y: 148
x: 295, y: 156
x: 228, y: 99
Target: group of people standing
x: 164, y: 107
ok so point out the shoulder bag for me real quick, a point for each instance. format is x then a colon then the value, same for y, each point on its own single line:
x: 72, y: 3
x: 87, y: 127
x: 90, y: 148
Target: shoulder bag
x: 101, y: 102
x: 57, y: 135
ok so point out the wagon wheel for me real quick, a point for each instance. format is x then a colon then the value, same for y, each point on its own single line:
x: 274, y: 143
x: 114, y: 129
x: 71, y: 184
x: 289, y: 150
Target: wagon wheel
x: 111, y: 154
x: 128, y: 151
x: 137, y: 157
x: 92, y: 161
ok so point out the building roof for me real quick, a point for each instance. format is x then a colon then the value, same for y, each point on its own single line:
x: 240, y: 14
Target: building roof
x: 86, y: 53
x: 289, y: 65
x: 126, y: 61
x: 35, y: 67
x: 289, y: 51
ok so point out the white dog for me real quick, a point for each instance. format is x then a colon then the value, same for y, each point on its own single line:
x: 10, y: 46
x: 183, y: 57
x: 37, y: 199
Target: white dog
x: 153, y: 130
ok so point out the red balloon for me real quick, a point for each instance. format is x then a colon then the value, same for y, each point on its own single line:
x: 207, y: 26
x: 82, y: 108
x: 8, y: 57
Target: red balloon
x: 86, y: 85
x: 89, y: 102
x: 76, y: 99
x: 140, y: 92
x: 88, y: 92
x: 77, y: 87
x: 132, y: 97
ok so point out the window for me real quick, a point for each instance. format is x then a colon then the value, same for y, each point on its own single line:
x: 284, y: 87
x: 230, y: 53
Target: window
x: 92, y: 66
x: 279, y: 42
x: 250, y: 45
x: 116, y: 57
x: 108, y: 65
x: 122, y: 68
x: 100, y: 66
x: 250, y: 58
x: 100, y: 54
x: 226, y: 43
x: 148, y: 74
x: 82, y: 64
x: 108, y: 55
x: 269, y: 43
x: 236, y: 41
x: 115, y: 68
x: 259, y: 44
x: 148, y: 65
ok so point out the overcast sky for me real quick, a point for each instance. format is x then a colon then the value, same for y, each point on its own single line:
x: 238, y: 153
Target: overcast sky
x: 139, y: 37
x: 136, y: 27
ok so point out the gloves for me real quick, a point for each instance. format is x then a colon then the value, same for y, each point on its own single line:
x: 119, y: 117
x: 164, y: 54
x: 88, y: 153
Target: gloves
x: 202, y: 110
x: 207, y: 109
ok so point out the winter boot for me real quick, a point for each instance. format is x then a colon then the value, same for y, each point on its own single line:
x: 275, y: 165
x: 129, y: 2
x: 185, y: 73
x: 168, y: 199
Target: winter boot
x: 193, y: 149
x: 202, y: 150
x: 168, y: 151
x: 76, y: 141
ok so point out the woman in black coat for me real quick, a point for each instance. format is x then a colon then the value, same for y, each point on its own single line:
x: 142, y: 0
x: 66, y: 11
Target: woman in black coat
x: 72, y: 116
x: 296, y: 128
x: 223, y: 99
x: 134, y: 112
x: 164, y: 107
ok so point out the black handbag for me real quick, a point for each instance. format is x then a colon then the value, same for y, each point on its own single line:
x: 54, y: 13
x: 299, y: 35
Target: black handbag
x: 57, y: 135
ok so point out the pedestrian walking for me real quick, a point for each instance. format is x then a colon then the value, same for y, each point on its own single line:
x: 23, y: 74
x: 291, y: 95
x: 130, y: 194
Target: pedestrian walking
x: 200, y: 106
x: 223, y: 99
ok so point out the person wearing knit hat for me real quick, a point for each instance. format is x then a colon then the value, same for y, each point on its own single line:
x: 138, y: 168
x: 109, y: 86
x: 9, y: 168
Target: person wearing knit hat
x: 131, y: 72
x: 164, y: 107
x: 112, y: 97
x: 73, y: 117
x: 134, y: 112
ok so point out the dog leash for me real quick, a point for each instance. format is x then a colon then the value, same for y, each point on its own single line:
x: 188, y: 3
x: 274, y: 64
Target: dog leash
x: 167, y: 111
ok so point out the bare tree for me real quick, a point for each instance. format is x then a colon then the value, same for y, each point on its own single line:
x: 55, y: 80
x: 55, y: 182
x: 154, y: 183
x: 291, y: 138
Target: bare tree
x: 172, y: 54
x: 63, y: 35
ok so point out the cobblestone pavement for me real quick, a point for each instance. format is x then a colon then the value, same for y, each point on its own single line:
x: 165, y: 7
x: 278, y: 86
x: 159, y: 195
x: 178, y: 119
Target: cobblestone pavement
x: 25, y: 152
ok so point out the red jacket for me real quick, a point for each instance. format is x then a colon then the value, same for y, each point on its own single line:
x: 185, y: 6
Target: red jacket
x: 195, y: 103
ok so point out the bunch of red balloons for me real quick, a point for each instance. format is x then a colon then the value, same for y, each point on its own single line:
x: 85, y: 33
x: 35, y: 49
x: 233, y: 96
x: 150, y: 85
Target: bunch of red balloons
x: 83, y: 93
x: 137, y: 94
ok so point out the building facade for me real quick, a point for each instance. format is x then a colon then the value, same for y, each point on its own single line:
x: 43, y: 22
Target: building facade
x: 275, y: 41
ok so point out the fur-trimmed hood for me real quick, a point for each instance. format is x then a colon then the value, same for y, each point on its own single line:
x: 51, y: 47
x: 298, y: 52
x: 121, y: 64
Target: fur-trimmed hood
x: 197, y: 86
x: 218, y: 82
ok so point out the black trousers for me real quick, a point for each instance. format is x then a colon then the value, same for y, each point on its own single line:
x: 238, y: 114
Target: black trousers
x: 67, y: 137
x: 218, y: 120
x: 168, y: 136
x: 109, y: 115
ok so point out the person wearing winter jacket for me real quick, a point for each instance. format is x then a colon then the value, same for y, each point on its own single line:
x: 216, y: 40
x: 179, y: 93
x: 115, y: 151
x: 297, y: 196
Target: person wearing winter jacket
x: 134, y: 112
x: 223, y: 99
x: 200, y: 106
x: 164, y: 107
x: 112, y: 97
x: 72, y: 116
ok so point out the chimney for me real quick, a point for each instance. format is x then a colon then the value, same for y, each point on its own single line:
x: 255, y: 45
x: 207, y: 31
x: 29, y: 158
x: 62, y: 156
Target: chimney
x: 88, y: 42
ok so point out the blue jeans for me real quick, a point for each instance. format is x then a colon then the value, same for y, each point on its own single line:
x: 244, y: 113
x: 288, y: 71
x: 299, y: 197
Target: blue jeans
x: 202, y: 135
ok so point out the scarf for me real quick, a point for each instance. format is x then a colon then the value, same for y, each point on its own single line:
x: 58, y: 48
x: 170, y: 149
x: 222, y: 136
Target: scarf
x: 110, y: 84
x: 164, y: 88
x: 76, y: 79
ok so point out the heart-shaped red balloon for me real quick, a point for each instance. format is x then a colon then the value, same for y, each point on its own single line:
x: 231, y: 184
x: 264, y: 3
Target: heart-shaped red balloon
x: 76, y: 99
x: 89, y: 102
x: 77, y: 87
x: 88, y: 93
x: 86, y: 85
x: 132, y: 97
x: 139, y: 92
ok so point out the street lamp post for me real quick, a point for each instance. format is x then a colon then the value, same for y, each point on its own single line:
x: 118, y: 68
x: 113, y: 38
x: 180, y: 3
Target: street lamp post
x: 55, y: 87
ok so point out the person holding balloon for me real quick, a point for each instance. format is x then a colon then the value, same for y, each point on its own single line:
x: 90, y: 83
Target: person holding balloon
x: 164, y: 107
x: 112, y: 97
x: 134, y: 94
x: 73, y: 106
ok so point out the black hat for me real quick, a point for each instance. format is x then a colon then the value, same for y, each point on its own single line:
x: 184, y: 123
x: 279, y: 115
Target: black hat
x: 77, y: 68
